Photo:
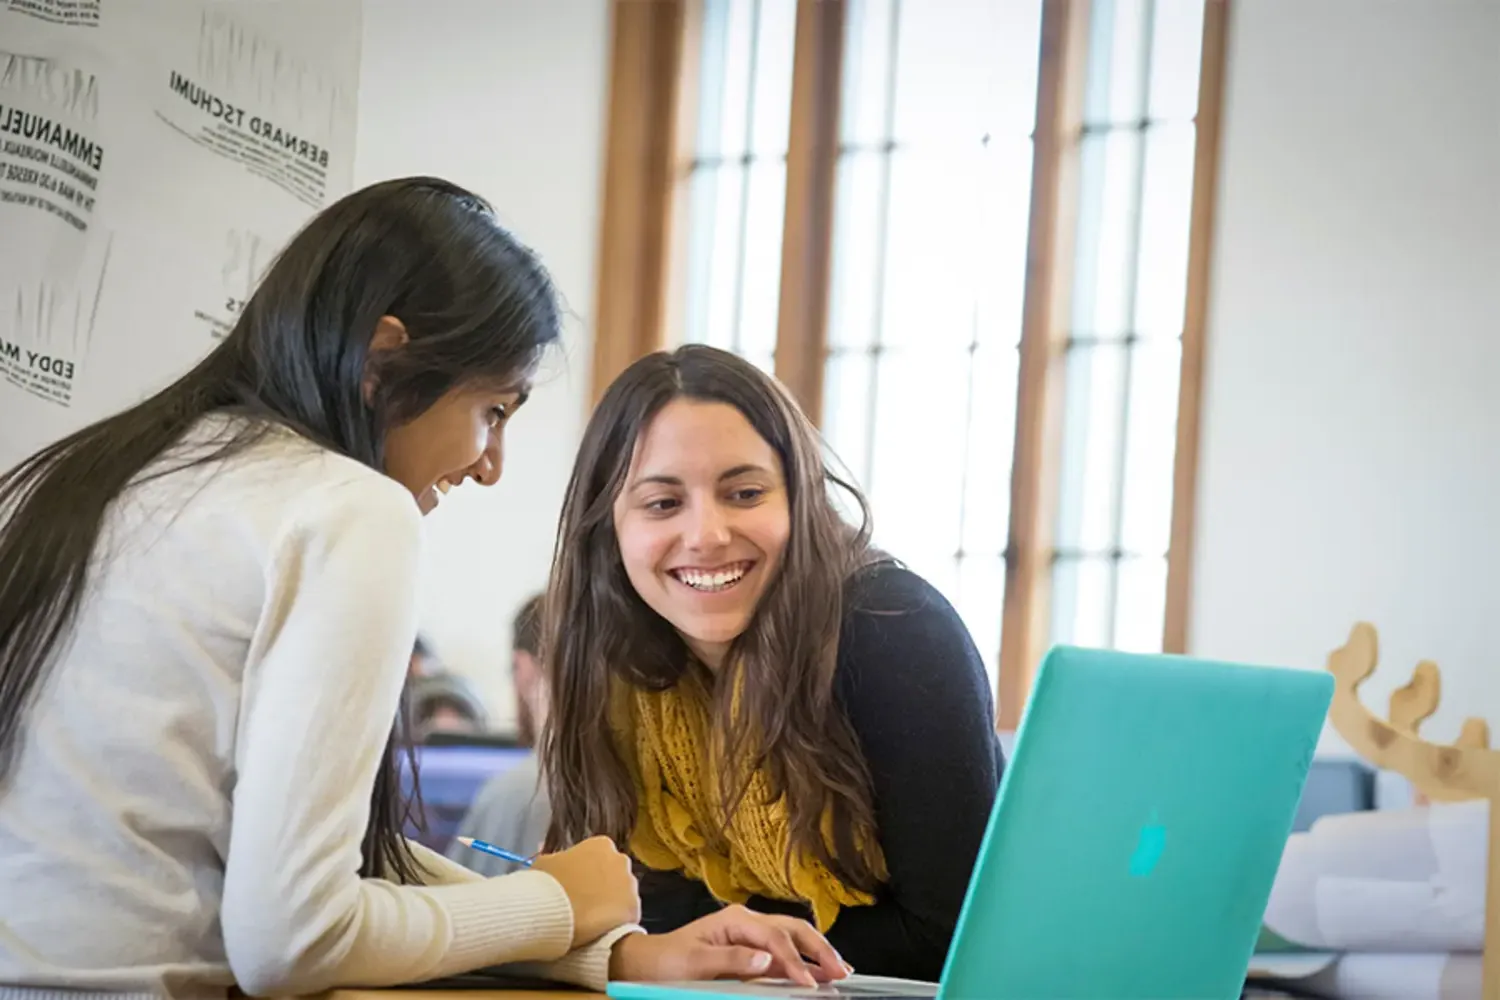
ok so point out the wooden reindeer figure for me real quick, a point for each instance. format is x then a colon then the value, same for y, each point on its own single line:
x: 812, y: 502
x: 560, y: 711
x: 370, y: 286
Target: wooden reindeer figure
x: 1467, y: 769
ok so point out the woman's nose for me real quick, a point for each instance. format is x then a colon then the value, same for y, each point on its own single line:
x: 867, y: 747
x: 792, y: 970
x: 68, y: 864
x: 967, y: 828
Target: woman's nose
x: 708, y: 528
x: 486, y: 471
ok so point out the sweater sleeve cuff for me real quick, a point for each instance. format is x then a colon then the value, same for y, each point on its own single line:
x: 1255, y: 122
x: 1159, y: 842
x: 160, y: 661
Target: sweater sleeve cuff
x: 535, y: 920
x: 587, y: 967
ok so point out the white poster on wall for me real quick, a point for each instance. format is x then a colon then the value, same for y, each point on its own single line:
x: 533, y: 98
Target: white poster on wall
x: 153, y: 157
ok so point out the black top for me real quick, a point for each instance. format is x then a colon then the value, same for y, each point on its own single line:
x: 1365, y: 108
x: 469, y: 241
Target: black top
x: 915, y: 691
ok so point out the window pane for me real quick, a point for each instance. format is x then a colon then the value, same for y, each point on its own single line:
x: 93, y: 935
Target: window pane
x: 764, y: 360
x: 981, y: 603
x: 858, y: 240
x: 772, y: 107
x: 917, y: 477
x: 1081, y: 613
x: 1141, y: 607
x: 1166, y: 223
x: 965, y: 70
x: 867, y: 71
x: 713, y: 289
x: 1015, y: 53
x: 992, y: 436
x: 1150, y: 446
x: 728, y: 40
x: 760, y: 293
x: 1176, y: 50
x: 933, y: 249
x: 1094, y: 401
x: 713, y: 58
x: 1107, y: 214
x: 1117, y: 72
x: 703, y: 192
x: 846, y: 410
x: 1004, y: 227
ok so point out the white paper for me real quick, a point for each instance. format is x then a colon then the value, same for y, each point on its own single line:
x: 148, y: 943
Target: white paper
x: 1381, y: 915
x: 1380, y: 977
x: 1408, y: 880
x: 153, y: 157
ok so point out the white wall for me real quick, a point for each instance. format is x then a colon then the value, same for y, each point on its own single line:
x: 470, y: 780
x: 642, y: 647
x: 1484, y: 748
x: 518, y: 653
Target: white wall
x: 506, y: 97
x: 1351, y: 437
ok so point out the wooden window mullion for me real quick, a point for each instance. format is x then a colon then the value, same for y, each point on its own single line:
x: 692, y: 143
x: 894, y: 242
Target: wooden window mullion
x: 1190, y: 386
x: 1039, y: 403
x: 811, y: 171
x: 650, y: 49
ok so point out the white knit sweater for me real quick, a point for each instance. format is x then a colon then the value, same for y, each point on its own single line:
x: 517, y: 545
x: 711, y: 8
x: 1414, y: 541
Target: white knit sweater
x: 194, y: 778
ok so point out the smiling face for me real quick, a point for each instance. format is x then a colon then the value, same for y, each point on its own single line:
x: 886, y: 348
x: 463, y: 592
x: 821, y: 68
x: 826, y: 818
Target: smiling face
x: 460, y: 437
x: 703, y: 522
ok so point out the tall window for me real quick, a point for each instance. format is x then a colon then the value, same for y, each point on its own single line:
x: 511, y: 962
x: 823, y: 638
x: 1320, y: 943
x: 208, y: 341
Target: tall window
x: 1124, y: 348
x: 929, y: 252
x: 934, y: 255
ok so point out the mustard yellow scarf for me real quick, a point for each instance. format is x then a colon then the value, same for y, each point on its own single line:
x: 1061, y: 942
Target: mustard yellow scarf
x: 666, y: 738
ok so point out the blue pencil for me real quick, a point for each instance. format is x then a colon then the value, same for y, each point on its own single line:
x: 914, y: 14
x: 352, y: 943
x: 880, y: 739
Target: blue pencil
x: 499, y: 852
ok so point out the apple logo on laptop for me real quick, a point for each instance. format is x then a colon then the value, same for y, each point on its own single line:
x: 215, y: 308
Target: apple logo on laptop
x: 1149, y: 845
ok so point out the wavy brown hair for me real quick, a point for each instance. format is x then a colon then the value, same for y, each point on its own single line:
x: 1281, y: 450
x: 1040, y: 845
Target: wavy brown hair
x: 598, y: 629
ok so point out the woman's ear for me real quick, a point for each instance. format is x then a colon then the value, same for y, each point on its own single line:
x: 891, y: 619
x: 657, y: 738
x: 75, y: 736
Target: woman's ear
x: 390, y: 335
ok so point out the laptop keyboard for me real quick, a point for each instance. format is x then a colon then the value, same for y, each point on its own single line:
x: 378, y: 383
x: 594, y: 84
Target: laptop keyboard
x: 858, y: 988
x: 867, y: 992
x: 862, y: 990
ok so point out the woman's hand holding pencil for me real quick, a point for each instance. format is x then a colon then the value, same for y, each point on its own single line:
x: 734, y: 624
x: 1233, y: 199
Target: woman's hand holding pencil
x: 599, y: 883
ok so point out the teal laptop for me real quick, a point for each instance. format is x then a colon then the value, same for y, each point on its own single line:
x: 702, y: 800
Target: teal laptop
x: 1134, y: 841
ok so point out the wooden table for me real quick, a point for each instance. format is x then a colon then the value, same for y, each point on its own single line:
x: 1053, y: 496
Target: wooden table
x: 1250, y: 994
x: 461, y: 995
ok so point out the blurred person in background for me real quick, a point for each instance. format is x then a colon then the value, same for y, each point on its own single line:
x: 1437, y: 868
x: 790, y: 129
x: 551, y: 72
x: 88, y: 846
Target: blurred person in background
x: 512, y: 809
x: 446, y: 702
x: 423, y: 662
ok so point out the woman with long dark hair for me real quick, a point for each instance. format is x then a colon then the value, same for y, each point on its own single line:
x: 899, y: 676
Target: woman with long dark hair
x: 796, y: 723
x: 207, y: 605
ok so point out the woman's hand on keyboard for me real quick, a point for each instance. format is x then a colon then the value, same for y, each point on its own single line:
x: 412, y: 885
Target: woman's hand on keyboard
x: 734, y: 943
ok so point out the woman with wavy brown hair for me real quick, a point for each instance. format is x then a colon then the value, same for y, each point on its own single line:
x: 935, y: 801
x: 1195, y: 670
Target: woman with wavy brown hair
x: 762, y: 708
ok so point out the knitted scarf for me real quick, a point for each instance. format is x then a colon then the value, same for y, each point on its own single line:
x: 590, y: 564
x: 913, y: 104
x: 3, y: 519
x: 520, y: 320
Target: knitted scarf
x: 666, y: 737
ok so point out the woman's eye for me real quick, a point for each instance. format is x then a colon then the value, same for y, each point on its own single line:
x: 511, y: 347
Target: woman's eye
x: 662, y: 505
x: 748, y: 494
x: 498, y: 414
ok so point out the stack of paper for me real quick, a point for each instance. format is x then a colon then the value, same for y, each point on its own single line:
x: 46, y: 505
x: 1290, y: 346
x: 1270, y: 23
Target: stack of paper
x: 1374, y: 976
x: 1389, y: 903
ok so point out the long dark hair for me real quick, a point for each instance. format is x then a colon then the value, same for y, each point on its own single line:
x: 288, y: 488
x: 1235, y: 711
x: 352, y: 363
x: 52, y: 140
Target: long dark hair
x: 478, y: 308
x: 787, y: 720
